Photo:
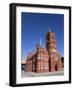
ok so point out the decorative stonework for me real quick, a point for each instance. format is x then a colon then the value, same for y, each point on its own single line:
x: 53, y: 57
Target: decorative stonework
x: 45, y: 60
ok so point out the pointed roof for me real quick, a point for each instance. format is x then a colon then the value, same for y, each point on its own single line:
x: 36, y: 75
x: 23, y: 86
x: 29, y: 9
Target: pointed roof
x: 40, y: 42
x: 49, y: 28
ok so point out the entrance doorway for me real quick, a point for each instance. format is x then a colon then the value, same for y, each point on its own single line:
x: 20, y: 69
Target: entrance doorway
x: 56, y: 68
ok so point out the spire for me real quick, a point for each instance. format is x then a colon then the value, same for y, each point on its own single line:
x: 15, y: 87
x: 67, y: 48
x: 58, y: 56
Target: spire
x: 40, y: 42
x: 49, y: 28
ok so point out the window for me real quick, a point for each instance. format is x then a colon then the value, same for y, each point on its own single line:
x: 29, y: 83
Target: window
x: 39, y: 65
x: 41, y: 68
x: 39, y: 57
x: 42, y: 57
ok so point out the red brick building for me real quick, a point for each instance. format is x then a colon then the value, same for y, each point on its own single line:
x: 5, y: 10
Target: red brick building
x: 45, y: 60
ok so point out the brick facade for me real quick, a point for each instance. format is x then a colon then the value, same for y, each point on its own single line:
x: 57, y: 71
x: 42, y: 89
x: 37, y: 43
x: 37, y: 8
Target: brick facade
x: 45, y: 60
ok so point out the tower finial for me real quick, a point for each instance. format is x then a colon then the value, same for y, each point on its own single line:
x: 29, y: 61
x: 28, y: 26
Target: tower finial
x: 40, y: 42
x: 49, y: 28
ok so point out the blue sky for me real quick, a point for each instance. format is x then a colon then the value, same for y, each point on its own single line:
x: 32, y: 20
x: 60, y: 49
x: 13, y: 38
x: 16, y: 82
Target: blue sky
x: 35, y: 26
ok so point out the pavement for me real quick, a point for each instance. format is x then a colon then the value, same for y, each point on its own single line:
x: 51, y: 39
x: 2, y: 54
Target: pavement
x: 33, y: 74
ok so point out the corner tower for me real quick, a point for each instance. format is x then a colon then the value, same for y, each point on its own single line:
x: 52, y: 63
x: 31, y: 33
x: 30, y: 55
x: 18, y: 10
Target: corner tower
x: 54, y: 63
x: 50, y: 41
